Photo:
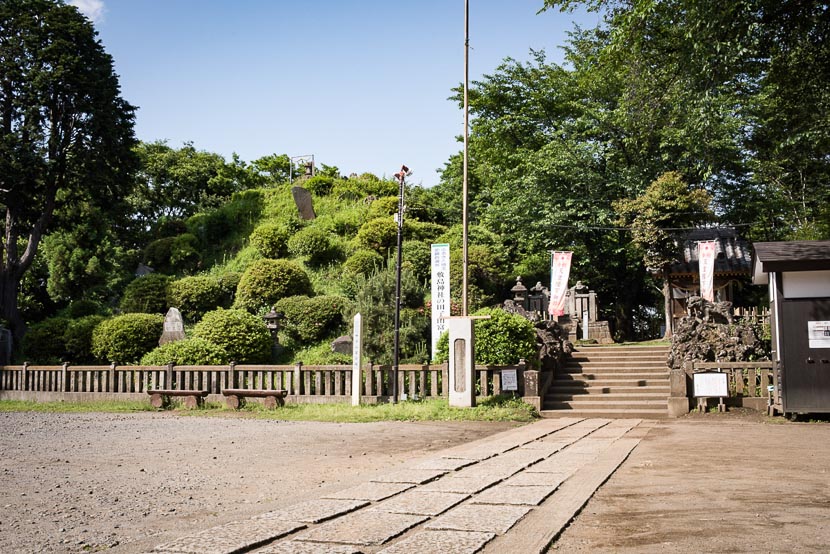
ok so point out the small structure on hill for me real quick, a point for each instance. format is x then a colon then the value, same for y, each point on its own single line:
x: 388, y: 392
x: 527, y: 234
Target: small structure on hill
x: 798, y: 276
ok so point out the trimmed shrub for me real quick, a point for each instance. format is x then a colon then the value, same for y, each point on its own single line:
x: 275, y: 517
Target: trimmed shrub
x: 126, y: 338
x: 378, y: 234
x: 267, y: 281
x: 147, y: 294
x: 184, y: 253
x: 424, y: 231
x: 83, y: 307
x: 43, y: 342
x: 363, y: 186
x: 243, y: 336
x: 227, y: 284
x: 310, y: 319
x: 270, y: 240
x: 383, y: 207
x: 417, y: 255
x: 319, y: 184
x: 501, y: 340
x: 157, y: 253
x: 363, y: 262
x: 346, y: 222
x: 78, y: 338
x: 314, y: 243
x: 195, y: 296
x: 187, y: 352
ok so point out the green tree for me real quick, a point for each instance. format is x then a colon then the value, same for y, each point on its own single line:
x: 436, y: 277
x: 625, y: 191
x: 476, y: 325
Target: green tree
x: 659, y: 218
x: 65, y: 131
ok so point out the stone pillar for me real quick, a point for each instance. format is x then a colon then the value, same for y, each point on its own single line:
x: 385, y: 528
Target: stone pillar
x: 462, y: 390
x: 678, y: 401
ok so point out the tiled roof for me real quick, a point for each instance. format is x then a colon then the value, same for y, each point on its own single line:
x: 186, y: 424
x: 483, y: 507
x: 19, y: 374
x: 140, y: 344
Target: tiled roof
x: 733, y: 255
x: 801, y: 255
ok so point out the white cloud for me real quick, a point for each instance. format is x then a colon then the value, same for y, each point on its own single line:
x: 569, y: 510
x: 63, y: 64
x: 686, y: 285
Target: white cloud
x: 93, y: 9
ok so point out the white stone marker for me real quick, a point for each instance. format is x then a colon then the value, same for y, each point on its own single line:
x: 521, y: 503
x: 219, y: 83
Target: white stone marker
x: 462, y: 377
x: 357, y: 359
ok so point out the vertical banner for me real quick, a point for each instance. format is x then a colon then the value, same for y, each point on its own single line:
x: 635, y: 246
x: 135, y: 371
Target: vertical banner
x: 440, y: 291
x: 357, y: 359
x: 706, y: 265
x: 560, y: 269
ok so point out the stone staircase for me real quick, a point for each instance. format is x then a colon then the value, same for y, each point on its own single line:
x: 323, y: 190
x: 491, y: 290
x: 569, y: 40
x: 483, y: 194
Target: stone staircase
x: 612, y: 382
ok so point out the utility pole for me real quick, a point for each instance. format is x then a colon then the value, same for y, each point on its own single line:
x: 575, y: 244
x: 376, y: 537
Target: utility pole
x: 466, y: 161
x: 401, y: 177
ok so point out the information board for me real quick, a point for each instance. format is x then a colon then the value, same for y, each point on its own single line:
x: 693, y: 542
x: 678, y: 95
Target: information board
x: 509, y: 380
x: 818, y: 333
x: 710, y: 385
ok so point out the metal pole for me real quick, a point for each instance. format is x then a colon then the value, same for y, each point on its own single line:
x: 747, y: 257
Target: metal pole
x: 397, y: 352
x: 466, y: 145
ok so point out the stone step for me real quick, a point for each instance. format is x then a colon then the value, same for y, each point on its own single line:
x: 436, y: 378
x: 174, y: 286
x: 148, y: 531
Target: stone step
x: 663, y: 389
x: 601, y: 350
x: 590, y: 368
x: 615, y: 361
x: 619, y: 355
x: 606, y: 398
x: 613, y: 375
x: 607, y: 413
x: 616, y: 404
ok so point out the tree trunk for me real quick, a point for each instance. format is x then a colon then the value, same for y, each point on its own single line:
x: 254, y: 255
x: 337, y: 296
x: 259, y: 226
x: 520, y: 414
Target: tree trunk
x: 667, y: 304
x: 9, y: 284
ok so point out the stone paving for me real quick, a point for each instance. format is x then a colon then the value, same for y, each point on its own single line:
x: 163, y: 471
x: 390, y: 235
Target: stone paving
x: 513, y: 491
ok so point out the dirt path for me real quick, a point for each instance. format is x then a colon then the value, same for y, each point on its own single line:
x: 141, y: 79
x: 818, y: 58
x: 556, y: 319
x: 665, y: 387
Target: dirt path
x: 714, y: 483
x: 124, y: 483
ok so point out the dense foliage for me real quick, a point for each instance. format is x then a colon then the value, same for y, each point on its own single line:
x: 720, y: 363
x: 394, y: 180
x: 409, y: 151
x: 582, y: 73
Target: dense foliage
x: 187, y: 352
x: 267, y: 281
x: 502, y: 339
x: 196, y: 295
x: 126, y: 338
x: 310, y: 319
x: 147, y: 294
x: 241, y: 335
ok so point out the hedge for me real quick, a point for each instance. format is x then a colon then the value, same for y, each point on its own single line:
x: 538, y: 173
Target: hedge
x: 126, y: 338
x: 147, y: 294
x: 311, y: 319
x: 503, y: 339
x: 242, y: 335
x: 267, y: 281
x: 192, y: 351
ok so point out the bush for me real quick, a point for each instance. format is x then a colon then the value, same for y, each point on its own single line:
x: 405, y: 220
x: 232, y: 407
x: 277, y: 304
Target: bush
x: 43, y: 342
x: 363, y: 262
x: 320, y: 185
x: 243, y: 336
x: 184, y: 253
x: 363, y: 186
x: 157, y: 253
x: 378, y: 234
x: 195, y: 296
x: 78, y: 338
x: 147, y: 294
x: 315, y: 244
x: 311, y: 319
x: 501, y: 340
x: 267, y: 281
x: 423, y: 231
x: 383, y: 207
x: 126, y: 338
x: 347, y: 222
x: 83, y: 307
x: 228, y: 282
x: 418, y: 256
x: 187, y: 352
x: 270, y: 240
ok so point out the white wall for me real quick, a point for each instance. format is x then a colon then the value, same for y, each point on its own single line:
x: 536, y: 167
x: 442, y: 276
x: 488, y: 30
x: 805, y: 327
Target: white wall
x: 807, y: 284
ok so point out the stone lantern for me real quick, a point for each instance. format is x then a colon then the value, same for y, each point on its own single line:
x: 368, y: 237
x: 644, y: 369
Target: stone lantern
x: 520, y: 293
x: 272, y: 322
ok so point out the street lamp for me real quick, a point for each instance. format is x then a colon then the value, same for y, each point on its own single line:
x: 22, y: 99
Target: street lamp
x: 401, y: 177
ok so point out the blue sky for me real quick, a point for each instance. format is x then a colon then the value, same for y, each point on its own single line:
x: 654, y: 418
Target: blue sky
x: 361, y: 84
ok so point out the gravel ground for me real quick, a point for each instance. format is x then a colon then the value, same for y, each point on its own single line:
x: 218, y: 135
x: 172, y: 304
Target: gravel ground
x: 125, y: 483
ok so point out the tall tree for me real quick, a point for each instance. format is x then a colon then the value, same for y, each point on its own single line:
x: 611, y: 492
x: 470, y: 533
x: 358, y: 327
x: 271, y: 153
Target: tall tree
x: 65, y: 132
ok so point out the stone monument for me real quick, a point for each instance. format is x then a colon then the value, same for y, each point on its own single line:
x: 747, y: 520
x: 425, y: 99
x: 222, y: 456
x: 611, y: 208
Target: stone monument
x: 302, y: 198
x: 173, y: 327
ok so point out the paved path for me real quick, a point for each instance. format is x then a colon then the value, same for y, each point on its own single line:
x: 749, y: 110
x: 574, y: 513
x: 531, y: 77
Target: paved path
x: 511, y: 492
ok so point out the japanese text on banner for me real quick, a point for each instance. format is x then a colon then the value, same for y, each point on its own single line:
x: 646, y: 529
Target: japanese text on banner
x: 706, y: 263
x: 440, y: 257
x: 559, y: 271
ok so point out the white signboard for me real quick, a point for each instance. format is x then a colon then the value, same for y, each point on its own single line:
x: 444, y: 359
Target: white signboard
x: 440, y: 290
x: 819, y: 334
x: 509, y: 381
x: 357, y: 361
x: 706, y: 265
x: 710, y: 385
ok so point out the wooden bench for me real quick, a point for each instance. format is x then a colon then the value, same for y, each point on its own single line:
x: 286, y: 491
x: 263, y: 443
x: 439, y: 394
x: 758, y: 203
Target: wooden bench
x: 160, y: 398
x: 273, y: 398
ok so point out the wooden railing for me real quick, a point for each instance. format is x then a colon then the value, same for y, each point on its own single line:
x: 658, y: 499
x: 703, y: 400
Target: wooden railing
x: 745, y: 379
x: 312, y: 383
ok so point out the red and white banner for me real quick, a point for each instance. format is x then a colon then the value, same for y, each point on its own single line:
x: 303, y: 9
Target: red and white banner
x: 560, y: 269
x: 706, y: 264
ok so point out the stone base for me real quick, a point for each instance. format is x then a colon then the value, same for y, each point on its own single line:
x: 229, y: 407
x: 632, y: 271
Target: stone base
x: 678, y: 407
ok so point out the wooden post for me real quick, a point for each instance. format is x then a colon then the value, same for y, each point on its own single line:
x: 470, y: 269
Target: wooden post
x: 168, y: 377
x: 232, y: 375
x: 64, y: 375
x: 25, y: 377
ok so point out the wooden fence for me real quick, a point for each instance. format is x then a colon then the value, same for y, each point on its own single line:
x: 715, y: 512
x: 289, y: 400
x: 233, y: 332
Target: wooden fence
x: 745, y: 379
x: 304, y: 383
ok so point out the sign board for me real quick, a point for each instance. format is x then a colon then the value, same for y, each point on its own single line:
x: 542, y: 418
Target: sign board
x: 440, y: 259
x: 509, y: 380
x: 710, y: 385
x: 818, y: 333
